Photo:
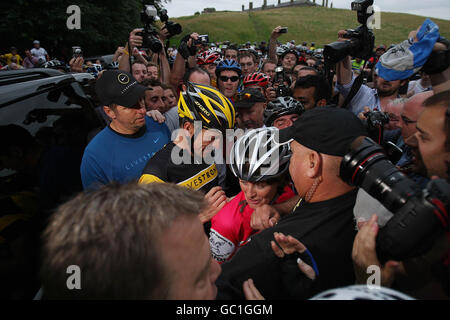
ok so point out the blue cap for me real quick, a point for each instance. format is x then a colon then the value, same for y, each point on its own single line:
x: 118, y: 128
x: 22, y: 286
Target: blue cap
x: 408, y: 57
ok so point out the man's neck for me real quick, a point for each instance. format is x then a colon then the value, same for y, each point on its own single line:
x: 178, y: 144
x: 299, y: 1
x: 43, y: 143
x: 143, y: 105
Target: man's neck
x: 117, y: 127
x: 385, y: 100
x: 330, y: 190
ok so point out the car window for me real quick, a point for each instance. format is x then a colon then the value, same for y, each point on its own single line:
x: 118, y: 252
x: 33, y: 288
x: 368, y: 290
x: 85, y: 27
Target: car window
x: 43, y: 138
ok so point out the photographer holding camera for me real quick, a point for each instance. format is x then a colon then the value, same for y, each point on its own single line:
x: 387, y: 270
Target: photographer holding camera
x: 425, y: 270
x: 377, y: 98
x: 150, y: 38
x: 276, y: 33
x: 186, y: 58
x: 139, y: 66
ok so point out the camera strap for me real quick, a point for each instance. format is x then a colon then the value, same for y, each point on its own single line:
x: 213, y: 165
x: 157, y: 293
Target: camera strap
x: 354, y: 89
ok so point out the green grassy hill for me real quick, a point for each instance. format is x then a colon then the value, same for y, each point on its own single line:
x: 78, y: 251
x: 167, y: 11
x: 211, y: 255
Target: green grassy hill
x: 311, y: 24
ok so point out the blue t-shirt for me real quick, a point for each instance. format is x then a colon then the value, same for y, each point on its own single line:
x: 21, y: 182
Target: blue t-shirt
x: 114, y: 157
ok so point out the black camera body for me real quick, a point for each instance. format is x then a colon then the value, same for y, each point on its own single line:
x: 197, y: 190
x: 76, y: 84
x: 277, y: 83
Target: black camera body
x: 202, y: 39
x: 361, y: 40
x: 375, y: 124
x: 150, y: 33
x: 77, y: 52
x: 282, y: 90
x: 173, y: 28
x: 420, y: 216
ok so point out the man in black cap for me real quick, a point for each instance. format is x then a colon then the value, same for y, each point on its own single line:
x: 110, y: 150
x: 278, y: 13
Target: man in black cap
x: 120, y: 151
x: 250, y: 108
x: 322, y: 220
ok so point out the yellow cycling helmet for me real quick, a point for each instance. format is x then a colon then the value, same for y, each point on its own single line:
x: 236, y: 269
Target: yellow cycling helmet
x: 206, y: 104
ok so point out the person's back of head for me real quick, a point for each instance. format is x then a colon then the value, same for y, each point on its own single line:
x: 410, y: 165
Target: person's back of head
x: 150, y: 83
x: 318, y: 146
x: 303, y: 70
x: 114, y: 238
x: 197, y: 75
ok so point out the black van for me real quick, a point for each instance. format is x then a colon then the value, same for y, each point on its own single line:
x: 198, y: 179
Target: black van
x: 46, y: 120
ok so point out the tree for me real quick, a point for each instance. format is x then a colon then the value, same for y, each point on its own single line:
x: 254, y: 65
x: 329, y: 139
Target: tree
x: 105, y: 24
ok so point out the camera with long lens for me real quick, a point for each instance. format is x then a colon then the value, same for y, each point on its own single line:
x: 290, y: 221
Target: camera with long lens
x: 360, y: 41
x: 172, y: 27
x: 420, y: 216
x: 150, y: 33
x: 282, y: 90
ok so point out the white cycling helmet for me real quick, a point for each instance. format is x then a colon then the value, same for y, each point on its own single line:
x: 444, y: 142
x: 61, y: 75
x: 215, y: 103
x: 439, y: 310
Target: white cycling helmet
x: 361, y: 292
x: 257, y: 155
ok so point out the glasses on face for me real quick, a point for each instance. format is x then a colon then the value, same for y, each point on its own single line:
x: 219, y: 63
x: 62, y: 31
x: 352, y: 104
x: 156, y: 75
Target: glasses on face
x: 225, y: 78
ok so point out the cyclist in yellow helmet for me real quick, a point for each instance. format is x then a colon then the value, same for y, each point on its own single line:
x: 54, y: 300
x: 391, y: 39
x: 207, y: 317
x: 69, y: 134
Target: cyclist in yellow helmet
x: 204, y: 114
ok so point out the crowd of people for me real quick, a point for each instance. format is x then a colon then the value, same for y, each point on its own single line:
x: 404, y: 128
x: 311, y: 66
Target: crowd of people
x: 158, y: 220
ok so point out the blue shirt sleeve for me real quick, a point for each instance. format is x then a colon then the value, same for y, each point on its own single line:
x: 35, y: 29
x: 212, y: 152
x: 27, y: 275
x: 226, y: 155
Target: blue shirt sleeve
x: 365, y: 97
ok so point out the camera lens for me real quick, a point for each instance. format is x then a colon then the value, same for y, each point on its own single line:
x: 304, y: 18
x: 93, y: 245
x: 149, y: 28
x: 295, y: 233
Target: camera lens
x: 279, y: 69
x: 151, y: 42
x: 337, y: 51
x: 173, y: 28
x: 367, y: 166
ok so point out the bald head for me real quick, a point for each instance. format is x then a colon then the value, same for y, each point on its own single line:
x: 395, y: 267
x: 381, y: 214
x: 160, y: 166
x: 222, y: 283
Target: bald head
x: 200, y: 78
x: 411, y: 112
x: 394, y: 110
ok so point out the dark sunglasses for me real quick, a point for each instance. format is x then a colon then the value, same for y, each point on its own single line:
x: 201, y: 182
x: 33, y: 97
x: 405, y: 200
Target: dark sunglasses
x: 225, y: 78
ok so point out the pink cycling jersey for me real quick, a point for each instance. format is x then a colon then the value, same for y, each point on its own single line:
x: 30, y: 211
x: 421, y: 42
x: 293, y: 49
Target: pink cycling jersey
x: 230, y: 227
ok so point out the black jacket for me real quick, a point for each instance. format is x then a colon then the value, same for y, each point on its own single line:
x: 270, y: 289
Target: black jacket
x: 326, y: 228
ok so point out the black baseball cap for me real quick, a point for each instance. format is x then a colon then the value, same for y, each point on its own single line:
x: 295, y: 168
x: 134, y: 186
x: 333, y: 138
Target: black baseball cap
x: 327, y: 130
x: 248, y: 97
x: 119, y: 87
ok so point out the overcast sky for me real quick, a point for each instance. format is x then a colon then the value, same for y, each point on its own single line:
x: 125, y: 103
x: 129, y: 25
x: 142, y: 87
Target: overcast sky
x: 428, y: 8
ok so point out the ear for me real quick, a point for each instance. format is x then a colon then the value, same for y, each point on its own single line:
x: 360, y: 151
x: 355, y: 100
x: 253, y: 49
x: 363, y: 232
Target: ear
x: 314, y: 164
x: 321, y: 103
x: 189, y: 127
x: 109, y: 112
